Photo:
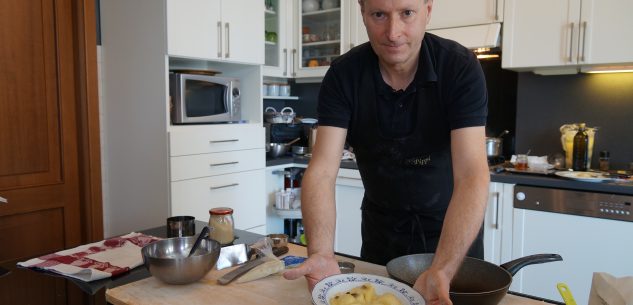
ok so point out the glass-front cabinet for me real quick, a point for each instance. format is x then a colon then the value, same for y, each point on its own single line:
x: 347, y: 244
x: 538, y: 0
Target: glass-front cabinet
x: 304, y: 36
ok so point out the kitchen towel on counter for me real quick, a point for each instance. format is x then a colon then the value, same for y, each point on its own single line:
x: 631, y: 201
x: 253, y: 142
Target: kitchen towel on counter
x: 610, y: 290
x: 95, y: 261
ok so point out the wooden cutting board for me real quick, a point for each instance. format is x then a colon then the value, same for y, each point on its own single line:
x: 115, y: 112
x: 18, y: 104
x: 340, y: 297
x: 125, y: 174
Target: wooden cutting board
x: 272, y: 290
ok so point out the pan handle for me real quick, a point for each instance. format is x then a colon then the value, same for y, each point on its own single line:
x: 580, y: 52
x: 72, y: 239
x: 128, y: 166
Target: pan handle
x: 515, y: 265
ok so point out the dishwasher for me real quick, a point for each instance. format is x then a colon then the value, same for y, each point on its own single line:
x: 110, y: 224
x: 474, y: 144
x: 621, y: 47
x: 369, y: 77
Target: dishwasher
x: 593, y: 232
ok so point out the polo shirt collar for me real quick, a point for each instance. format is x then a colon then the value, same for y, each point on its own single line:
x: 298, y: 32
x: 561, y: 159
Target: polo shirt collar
x: 425, y: 72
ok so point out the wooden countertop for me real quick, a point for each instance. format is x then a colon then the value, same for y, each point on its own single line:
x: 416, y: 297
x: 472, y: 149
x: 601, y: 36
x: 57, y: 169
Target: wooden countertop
x: 272, y: 290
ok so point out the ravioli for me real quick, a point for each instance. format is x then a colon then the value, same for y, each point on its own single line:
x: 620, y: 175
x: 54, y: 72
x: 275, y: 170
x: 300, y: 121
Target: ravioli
x: 364, y: 295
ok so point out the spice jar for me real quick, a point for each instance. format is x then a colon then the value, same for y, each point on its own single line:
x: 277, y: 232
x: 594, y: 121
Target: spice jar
x: 221, y: 225
x: 604, y: 160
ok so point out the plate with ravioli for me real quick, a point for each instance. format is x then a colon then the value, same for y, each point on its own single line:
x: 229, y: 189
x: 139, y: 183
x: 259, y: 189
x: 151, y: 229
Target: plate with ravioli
x: 358, y: 288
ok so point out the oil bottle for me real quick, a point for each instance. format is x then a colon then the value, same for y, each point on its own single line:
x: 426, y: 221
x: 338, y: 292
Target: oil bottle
x: 581, y: 149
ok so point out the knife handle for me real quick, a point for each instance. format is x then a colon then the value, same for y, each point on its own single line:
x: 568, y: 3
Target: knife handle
x: 229, y: 277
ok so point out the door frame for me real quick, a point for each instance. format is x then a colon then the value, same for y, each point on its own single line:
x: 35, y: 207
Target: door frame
x: 89, y: 145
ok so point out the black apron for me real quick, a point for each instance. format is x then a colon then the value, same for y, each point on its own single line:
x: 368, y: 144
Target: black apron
x: 408, y: 180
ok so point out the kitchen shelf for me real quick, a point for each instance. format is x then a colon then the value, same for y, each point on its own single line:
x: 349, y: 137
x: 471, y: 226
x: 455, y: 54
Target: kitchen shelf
x: 320, y: 43
x: 322, y: 12
x: 270, y: 43
x: 270, y: 97
x: 270, y: 12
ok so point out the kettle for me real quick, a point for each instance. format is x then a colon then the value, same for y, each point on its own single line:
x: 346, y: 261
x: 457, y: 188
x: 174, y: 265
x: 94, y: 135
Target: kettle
x: 568, y: 131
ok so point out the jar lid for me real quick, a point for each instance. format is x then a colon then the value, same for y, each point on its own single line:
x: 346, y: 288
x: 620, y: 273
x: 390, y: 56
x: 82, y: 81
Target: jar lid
x: 221, y: 211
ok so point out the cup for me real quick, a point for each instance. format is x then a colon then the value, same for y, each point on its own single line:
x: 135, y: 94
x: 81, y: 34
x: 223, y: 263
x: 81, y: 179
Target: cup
x: 265, y: 89
x: 181, y: 226
x: 284, y: 90
x: 273, y: 89
x: 521, y: 162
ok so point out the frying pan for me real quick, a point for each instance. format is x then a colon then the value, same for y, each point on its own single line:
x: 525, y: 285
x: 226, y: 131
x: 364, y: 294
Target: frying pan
x: 476, y: 282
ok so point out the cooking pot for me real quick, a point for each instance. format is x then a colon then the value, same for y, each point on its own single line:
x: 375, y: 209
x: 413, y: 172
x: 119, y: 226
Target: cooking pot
x: 494, y: 146
x: 279, y: 149
x: 476, y: 282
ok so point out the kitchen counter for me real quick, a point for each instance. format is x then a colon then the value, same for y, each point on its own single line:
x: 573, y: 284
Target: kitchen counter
x: 272, y: 290
x: 625, y: 188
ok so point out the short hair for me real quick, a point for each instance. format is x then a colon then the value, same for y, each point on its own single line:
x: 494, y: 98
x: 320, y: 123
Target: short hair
x: 362, y: 2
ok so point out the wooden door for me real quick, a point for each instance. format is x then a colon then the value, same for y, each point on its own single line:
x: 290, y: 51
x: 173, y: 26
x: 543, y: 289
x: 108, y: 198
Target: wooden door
x: 42, y: 107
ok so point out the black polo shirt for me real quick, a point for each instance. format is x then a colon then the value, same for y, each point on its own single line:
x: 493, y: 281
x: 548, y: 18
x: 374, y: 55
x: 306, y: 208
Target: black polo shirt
x: 451, y: 68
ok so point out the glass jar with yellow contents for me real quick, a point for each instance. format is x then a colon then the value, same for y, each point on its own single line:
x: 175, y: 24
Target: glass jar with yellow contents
x: 221, y: 225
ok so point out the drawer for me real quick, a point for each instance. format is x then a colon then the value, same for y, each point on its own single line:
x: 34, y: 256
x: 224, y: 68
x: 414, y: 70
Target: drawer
x: 203, y: 165
x: 349, y: 177
x: 190, y: 140
x: 243, y: 192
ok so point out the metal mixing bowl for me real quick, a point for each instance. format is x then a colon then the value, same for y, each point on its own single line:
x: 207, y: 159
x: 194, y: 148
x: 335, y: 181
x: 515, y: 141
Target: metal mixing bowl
x: 277, y: 150
x: 167, y: 259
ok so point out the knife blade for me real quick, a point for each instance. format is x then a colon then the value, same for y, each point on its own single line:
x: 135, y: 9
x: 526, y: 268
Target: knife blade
x: 241, y: 270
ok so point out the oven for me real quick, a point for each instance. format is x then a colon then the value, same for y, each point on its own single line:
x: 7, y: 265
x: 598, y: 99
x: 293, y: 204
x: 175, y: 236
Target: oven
x: 593, y: 232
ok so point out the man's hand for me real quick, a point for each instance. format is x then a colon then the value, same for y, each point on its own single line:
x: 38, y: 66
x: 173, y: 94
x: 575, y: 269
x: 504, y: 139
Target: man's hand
x: 434, y: 286
x: 315, y: 268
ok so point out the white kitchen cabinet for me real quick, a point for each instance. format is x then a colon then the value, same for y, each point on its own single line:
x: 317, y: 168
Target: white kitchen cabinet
x: 242, y: 191
x: 458, y: 13
x: 279, y: 55
x: 566, y: 35
x: 498, y: 223
x: 144, y: 156
x: 228, y: 30
x: 358, y: 32
x: 349, y: 197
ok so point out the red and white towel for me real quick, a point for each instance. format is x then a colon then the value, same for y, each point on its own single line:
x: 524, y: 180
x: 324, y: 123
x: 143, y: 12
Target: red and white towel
x: 95, y: 261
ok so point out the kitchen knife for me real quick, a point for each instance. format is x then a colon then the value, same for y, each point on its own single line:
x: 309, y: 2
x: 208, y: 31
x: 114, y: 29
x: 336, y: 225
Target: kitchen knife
x: 241, y: 270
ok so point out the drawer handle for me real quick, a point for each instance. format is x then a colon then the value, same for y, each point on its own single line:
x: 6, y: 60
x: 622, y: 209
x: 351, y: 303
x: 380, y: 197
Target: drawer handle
x: 351, y: 178
x: 496, y: 224
x: 3, y: 200
x: 225, y: 163
x: 223, y: 141
x: 223, y: 186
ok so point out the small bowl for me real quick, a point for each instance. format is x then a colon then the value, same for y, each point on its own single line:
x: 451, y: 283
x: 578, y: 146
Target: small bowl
x: 279, y: 240
x: 167, y: 259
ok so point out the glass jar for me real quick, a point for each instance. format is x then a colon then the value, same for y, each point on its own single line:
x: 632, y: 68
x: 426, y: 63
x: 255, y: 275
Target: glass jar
x: 221, y: 225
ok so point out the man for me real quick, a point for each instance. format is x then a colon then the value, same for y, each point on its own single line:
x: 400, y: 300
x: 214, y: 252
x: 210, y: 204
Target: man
x: 413, y: 106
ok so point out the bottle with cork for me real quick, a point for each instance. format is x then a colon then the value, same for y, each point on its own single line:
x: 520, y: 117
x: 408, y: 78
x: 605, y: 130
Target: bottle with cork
x: 581, y: 149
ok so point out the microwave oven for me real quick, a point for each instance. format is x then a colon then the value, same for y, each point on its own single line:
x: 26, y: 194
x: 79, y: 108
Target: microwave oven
x: 200, y: 99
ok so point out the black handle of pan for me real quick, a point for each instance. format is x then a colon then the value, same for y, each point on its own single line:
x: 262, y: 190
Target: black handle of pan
x: 515, y: 265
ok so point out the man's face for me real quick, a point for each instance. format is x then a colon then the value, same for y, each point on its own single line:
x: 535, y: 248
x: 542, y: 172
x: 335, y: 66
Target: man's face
x: 396, y: 28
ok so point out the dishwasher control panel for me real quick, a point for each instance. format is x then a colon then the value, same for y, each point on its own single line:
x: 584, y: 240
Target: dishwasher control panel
x: 572, y: 202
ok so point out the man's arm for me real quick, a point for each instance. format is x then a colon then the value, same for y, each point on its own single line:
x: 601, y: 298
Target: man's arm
x: 318, y: 206
x: 465, y: 213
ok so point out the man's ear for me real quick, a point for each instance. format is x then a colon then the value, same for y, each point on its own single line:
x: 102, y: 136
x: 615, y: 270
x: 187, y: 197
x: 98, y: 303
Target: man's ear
x: 429, y: 8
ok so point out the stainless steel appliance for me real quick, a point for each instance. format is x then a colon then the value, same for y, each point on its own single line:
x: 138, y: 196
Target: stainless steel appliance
x: 200, y: 99
x: 591, y: 231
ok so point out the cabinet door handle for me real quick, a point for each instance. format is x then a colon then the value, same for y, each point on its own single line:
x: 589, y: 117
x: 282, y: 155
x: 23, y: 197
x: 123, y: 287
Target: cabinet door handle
x: 219, y: 39
x: 223, y: 141
x: 571, y: 39
x: 584, y: 35
x: 4, y: 200
x: 496, y: 10
x: 285, y: 62
x: 225, y: 163
x: 496, y: 206
x: 294, y: 68
x: 223, y: 186
x: 228, y: 41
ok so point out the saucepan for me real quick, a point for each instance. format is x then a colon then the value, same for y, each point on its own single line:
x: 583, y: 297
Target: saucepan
x: 279, y: 149
x: 476, y: 282
x: 494, y: 144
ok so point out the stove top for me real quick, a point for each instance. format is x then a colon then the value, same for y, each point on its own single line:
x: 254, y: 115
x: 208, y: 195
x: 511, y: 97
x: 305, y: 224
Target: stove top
x: 496, y: 160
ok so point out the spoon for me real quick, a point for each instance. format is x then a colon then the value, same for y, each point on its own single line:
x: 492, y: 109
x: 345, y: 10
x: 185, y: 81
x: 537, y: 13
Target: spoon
x: 503, y: 133
x: 203, y: 234
x: 292, y: 142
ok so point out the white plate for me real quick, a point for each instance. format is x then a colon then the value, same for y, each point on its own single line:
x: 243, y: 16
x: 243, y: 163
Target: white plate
x: 330, y: 286
x: 309, y: 121
x: 583, y: 176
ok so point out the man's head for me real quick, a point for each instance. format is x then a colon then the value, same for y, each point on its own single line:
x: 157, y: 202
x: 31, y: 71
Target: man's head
x: 396, y: 28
